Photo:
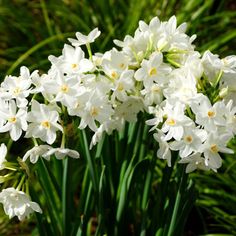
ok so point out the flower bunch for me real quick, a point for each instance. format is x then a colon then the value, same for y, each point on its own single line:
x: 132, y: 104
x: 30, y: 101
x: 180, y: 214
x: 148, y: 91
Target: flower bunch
x: 188, y: 100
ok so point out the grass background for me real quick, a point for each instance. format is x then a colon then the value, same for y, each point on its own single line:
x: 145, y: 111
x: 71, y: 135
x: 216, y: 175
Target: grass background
x: 32, y: 30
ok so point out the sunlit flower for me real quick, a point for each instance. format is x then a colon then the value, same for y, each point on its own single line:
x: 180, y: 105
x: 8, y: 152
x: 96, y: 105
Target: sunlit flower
x: 17, y: 203
x: 85, y: 39
x: 43, y: 123
x: 3, y: 153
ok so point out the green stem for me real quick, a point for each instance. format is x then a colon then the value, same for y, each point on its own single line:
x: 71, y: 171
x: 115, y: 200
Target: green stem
x: 178, y: 202
x: 90, y: 162
x: 65, y: 199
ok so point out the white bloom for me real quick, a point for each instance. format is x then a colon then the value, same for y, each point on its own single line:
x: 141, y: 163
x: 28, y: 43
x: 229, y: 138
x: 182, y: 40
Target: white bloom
x: 60, y: 153
x: 212, y: 66
x: 3, y: 153
x: 35, y: 152
x: 15, y: 120
x: 123, y: 85
x: 175, y: 122
x: 17, y: 87
x: 85, y: 39
x: 96, y: 108
x: 195, y: 161
x: 153, y: 70
x: 114, y: 63
x: 158, y: 113
x: 129, y: 109
x: 191, y: 141
x: 164, y: 149
x: 181, y: 87
x: 63, y: 88
x: 17, y: 203
x: 230, y: 116
x: 207, y: 115
x: 43, y: 123
x: 46, y: 151
x: 214, y: 144
x: 153, y: 94
x: 72, y: 61
x: 172, y: 37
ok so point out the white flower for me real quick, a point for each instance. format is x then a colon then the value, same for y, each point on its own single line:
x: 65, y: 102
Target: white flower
x: 15, y: 120
x: 46, y: 151
x: 212, y: 66
x: 191, y: 141
x: 17, y: 203
x: 153, y: 70
x: 195, y: 161
x: 3, y: 153
x: 230, y: 117
x: 35, y: 152
x: 164, y: 148
x: 72, y: 61
x: 129, y: 109
x: 175, y: 122
x: 83, y: 39
x: 63, y: 88
x: 96, y: 108
x: 43, y: 123
x: 207, y: 115
x: 123, y: 85
x: 214, y: 144
x: 60, y: 153
x: 181, y: 87
x: 114, y: 63
x: 17, y: 87
x: 153, y: 94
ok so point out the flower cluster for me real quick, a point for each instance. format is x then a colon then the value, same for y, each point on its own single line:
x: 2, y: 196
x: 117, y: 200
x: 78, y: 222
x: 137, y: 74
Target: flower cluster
x: 157, y: 71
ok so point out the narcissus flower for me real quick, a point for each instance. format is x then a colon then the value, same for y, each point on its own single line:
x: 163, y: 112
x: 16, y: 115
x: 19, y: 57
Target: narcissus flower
x: 43, y: 123
x: 17, y: 203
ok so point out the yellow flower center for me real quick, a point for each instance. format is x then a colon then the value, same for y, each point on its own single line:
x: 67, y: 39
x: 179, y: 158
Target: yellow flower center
x: 122, y: 65
x: 188, y: 139
x: 171, y: 122
x: 214, y: 148
x: 113, y: 74
x: 12, y: 119
x: 120, y: 87
x: 46, y: 124
x: 211, y: 114
x: 16, y: 91
x: 94, y: 111
x: 74, y: 66
x: 152, y: 71
x: 64, y: 88
x: 155, y: 89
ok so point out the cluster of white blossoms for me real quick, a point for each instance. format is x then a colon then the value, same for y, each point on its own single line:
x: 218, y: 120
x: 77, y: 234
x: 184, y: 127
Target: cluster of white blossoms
x: 157, y: 71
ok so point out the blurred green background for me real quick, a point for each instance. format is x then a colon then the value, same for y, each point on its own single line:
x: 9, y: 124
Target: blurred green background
x: 32, y: 30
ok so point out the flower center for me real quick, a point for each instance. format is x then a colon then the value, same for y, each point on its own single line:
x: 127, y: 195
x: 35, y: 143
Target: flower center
x: 171, y: 122
x: 74, y: 66
x: 152, y: 71
x: 211, y: 114
x: 155, y: 89
x: 16, y: 91
x: 113, y: 74
x: 188, y: 139
x: 214, y: 148
x: 46, y: 124
x: 94, y: 111
x: 64, y: 88
x: 122, y: 65
x: 14, y: 195
x: 12, y: 119
x: 120, y: 87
